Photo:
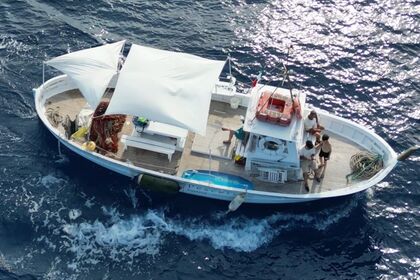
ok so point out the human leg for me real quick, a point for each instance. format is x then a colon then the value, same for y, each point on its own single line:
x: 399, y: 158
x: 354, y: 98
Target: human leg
x: 305, y: 170
x: 305, y: 181
x: 324, y: 168
x: 231, y: 132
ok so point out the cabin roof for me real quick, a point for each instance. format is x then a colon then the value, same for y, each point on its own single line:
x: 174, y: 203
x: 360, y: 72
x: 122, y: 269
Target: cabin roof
x: 253, y: 125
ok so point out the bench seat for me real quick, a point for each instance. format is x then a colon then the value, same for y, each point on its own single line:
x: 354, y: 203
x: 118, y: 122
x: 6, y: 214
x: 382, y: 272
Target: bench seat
x: 167, y: 148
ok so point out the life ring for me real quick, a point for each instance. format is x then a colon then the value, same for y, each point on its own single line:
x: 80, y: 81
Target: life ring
x: 271, y: 146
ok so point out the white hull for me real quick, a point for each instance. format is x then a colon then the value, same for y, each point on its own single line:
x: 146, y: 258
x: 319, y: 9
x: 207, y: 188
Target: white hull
x: 342, y: 127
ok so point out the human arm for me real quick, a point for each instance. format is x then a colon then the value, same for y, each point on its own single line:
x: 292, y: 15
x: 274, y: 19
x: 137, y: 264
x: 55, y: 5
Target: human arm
x: 317, y: 121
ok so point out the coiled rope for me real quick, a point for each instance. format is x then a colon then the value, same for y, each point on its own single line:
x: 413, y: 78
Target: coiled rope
x: 364, y: 165
x: 54, y: 116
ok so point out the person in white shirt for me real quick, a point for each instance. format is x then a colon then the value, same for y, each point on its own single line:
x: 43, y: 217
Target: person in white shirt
x: 307, y: 161
x: 312, y: 126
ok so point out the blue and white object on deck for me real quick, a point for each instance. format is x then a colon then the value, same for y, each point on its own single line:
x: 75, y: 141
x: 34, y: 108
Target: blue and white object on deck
x: 218, y: 178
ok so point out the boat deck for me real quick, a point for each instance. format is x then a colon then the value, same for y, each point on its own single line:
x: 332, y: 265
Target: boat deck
x: 209, y: 152
x: 334, y: 173
x: 216, y: 156
x: 71, y: 102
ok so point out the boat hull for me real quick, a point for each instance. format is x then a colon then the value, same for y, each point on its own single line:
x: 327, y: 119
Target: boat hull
x: 60, y: 84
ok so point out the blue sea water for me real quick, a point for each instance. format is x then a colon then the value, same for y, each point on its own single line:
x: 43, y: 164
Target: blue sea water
x: 65, y: 218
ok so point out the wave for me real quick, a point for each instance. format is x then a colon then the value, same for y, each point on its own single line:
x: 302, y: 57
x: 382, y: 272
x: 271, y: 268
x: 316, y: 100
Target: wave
x: 120, y: 238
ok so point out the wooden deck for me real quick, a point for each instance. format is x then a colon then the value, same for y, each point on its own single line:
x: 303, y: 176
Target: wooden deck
x: 197, y: 150
x: 221, y: 115
x: 69, y: 103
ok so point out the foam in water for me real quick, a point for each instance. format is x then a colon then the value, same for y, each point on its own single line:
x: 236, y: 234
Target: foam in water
x: 50, y: 180
x: 74, y: 214
x: 131, y: 194
x: 119, y: 238
x: 36, y: 205
x: 89, y: 203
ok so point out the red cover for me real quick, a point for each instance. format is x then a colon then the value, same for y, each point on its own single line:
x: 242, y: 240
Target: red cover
x: 274, y: 109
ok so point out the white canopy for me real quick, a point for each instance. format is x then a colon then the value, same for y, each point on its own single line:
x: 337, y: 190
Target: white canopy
x: 168, y: 87
x: 91, y: 69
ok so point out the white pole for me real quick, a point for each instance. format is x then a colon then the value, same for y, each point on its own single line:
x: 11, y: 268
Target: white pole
x: 43, y: 72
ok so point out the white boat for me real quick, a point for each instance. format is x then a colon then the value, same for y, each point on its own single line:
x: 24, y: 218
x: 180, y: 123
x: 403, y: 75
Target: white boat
x: 186, y: 105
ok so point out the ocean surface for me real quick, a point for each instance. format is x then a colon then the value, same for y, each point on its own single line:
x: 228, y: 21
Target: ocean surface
x: 65, y: 218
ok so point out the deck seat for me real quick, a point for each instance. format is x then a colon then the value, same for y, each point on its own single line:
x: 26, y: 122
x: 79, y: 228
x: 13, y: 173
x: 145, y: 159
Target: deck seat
x: 148, y: 144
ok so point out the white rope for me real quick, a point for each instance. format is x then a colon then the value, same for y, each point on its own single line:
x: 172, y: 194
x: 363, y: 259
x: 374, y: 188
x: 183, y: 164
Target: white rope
x: 54, y: 116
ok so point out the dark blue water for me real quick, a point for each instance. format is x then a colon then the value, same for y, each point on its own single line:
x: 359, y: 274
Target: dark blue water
x: 68, y: 219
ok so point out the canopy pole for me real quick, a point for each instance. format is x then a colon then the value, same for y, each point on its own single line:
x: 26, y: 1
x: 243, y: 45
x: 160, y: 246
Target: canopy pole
x: 43, y: 72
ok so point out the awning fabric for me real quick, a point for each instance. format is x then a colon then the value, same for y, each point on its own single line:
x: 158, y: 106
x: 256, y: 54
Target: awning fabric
x: 169, y: 87
x: 91, y: 69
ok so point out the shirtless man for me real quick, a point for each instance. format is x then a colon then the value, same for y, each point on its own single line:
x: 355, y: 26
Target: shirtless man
x: 312, y: 126
x: 325, y: 150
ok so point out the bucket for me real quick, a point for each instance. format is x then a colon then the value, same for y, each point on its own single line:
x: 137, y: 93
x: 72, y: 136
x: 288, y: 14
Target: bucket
x: 234, y: 102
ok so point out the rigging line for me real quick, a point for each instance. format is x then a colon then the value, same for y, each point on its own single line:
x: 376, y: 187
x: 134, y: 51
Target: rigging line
x: 287, y: 72
x: 285, y: 75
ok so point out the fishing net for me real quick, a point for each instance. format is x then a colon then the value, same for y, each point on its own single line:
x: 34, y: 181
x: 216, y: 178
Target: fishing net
x: 104, y: 129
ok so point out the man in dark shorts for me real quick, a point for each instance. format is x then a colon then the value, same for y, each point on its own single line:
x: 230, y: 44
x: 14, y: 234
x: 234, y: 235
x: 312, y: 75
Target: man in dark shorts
x: 325, y: 150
